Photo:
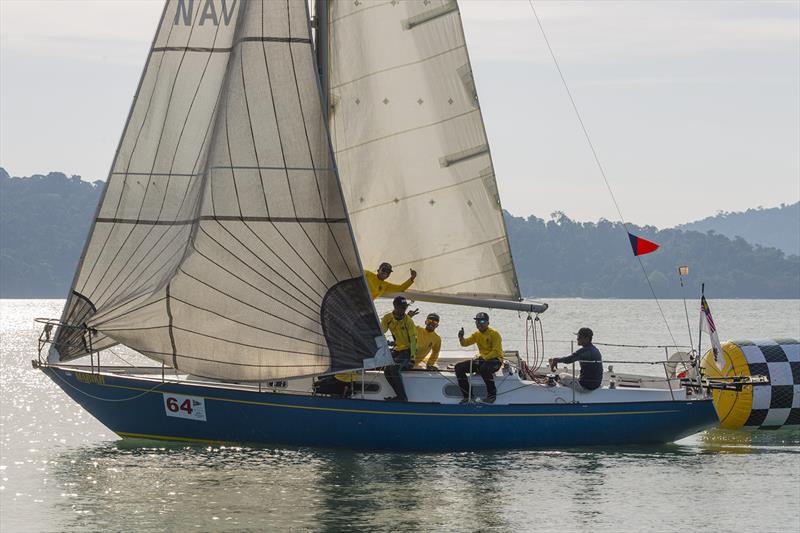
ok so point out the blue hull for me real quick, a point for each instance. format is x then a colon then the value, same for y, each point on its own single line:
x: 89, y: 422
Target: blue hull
x: 135, y: 408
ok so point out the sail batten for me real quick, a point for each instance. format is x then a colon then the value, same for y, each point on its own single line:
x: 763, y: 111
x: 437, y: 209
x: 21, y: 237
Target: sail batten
x: 222, y: 246
x: 411, y: 147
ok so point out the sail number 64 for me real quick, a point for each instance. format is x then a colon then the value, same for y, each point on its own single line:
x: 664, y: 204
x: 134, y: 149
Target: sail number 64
x: 180, y: 406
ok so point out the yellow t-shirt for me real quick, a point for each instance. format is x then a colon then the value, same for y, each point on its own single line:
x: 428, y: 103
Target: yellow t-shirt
x: 490, y: 344
x: 403, y: 330
x: 428, y: 342
x: 378, y: 288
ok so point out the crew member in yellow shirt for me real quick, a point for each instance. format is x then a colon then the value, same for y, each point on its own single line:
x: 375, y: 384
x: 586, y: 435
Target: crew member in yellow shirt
x: 428, y: 342
x: 489, y: 360
x: 378, y: 285
x: 405, y: 343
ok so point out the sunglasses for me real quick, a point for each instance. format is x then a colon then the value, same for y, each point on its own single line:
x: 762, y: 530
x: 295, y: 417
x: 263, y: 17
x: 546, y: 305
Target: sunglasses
x: 430, y: 322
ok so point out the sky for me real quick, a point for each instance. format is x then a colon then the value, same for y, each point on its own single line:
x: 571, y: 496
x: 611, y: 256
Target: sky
x: 692, y: 107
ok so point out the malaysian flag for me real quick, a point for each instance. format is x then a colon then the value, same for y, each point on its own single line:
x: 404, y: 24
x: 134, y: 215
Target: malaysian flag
x: 707, y: 323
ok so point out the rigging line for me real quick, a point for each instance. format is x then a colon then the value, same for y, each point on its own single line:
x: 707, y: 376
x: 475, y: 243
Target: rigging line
x: 251, y: 306
x: 152, y: 167
x: 596, y: 158
x: 308, y: 140
x: 658, y: 303
x: 577, y: 114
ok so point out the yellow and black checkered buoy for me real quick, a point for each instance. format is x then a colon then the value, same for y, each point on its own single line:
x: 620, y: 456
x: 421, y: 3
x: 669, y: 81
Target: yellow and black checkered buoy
x: 770, y: 406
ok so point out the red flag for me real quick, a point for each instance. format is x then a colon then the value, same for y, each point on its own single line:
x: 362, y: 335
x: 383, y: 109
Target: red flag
x: 641, y: 246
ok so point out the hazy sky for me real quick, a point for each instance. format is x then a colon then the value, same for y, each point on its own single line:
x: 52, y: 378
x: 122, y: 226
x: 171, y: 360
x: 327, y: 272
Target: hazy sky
x: 693, y: 107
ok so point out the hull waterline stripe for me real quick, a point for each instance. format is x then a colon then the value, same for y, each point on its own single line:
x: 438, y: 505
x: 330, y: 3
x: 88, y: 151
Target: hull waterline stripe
x: 405, y: 413
x: 127, y: 435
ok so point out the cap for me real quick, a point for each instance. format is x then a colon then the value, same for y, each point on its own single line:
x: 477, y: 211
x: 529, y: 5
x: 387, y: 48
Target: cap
x: 385, y: 266
x: 433, y: 316
x: 585, y: 332
x: 481, y: 317
x: 400, y: 301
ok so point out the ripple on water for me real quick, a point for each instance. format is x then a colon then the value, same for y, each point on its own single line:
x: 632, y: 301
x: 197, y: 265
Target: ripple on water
x: 62, y: 471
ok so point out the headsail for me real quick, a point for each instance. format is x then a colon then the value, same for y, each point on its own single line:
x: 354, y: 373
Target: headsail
x: 222, y: 245
x: 411, y: 147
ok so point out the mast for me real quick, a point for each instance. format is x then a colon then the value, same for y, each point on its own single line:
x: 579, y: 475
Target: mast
x: 321, y: 48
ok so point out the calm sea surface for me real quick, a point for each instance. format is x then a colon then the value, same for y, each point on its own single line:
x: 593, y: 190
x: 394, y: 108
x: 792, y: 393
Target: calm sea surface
x: 60, y: 470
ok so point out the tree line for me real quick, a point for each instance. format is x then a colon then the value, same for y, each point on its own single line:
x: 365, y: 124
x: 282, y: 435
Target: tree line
x: 44, y: 221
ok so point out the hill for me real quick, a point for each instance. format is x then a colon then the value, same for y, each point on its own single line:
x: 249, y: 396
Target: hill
x: 565, y: 258
x: 44, y: 221
x: 778, y: 227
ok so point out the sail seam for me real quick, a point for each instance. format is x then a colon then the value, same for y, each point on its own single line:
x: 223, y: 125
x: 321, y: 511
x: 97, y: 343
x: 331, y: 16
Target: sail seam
x: 214, y: 50
x: 409, y: 130
x: 99, y: 323
x: 416, y: 195
x: 308, y: 145
x: 161, y: 131
x: 268, y: 295
x: 269, y: 266
x: 217, y: 362
x: 470, y: 280
x: 396, y: 67
x: 261, y: 180
x: 223, y: 218
x: 250, y: 325
x: 284, y: 319
x: 247, y: 265
x: 449, y: 252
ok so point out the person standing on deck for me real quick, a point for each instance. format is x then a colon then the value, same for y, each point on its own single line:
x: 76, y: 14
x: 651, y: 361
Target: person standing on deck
x: 405, y: 343
x: 489, y: 360
x: 591, y: 361
x: 428, y: 342
x: 378, y: 285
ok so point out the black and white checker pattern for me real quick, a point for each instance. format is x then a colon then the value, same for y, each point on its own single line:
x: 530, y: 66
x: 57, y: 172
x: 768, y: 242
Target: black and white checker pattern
x: 777, y: 404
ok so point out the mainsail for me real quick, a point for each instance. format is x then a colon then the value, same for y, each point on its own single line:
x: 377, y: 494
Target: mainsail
x: 411, y: 147
x: 222, y: 245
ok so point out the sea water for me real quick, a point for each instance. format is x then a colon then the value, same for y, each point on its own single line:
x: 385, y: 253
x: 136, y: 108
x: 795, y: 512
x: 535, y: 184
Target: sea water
x: 61, y: 470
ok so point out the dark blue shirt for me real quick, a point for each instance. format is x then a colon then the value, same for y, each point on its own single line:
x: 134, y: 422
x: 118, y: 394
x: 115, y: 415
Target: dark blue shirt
x: 591, y: 365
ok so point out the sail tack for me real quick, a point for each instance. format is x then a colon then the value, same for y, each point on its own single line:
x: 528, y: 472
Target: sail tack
x: 412, y: 152
x: 222, y: 245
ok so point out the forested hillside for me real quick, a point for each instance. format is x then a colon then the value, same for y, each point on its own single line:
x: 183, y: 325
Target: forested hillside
x: 562, y: 257
x: 44, y: 221
x: 775, y: 226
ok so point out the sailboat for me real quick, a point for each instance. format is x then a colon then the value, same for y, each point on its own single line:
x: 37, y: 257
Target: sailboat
x: 267, y: 158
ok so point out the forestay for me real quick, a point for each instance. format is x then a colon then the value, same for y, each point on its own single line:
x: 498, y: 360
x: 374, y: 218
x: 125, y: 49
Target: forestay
x: 222, y: 246
x: 411, y: 147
